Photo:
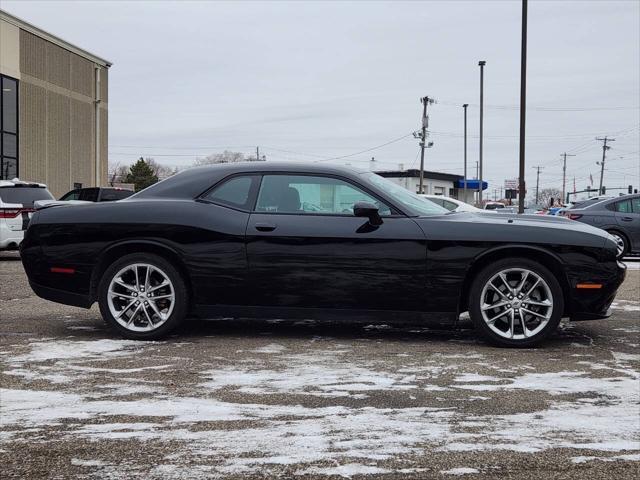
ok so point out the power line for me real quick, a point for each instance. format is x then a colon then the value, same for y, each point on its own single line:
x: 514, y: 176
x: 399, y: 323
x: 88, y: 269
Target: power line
x: 543, y: 109
x: 368, y: 149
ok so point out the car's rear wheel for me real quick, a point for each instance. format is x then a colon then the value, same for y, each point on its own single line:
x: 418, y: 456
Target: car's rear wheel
x: 622, y: 244
x: 142, y: 296
x: 516, y: 302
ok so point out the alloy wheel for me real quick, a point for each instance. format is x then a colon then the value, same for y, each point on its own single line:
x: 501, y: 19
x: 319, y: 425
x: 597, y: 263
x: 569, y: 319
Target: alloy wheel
x: 516, y: 303
x: 141, y: 297
x: 619, y: 244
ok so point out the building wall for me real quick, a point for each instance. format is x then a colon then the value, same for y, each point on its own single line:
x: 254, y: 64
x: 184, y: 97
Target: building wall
x: 431, y: 186
x: 9, y: 50
x: 57, y: 110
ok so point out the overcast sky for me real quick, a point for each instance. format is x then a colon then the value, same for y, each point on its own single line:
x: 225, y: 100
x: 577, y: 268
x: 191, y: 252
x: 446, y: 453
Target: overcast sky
x: 332, y: 79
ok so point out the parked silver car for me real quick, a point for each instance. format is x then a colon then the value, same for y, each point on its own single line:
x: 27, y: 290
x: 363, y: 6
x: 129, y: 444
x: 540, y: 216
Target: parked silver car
x: 620, y: 216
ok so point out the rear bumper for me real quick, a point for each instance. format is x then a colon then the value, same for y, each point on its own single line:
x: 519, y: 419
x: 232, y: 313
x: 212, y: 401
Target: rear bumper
x: 10, y: 239
x: 61, y: 296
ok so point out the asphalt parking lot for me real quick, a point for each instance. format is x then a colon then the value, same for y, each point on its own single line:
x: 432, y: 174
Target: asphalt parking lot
x: 248, y: 399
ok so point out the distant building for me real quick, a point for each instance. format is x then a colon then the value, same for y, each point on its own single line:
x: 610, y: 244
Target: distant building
x: 54, y: 109
x: 435, y: 183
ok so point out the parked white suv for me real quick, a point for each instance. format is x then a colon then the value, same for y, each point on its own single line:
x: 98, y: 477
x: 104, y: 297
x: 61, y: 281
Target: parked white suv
x: 16, y: 208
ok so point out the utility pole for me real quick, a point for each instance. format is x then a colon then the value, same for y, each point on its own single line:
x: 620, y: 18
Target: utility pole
x: 465, y: 152
x: 523, y: 105
x: 257, y: 154
x: 564, y: 174
x: 538, y: 168
x: 481, y: 63
x: 423, y: 138
x: 477, y: 173
x: 604, y: 154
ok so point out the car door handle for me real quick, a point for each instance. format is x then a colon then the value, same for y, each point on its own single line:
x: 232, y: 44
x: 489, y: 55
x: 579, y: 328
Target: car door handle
x: 265, y: 227
x: 627, y: 219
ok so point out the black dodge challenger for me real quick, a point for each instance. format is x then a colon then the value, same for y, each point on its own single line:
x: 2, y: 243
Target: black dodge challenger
x: 290, y: 240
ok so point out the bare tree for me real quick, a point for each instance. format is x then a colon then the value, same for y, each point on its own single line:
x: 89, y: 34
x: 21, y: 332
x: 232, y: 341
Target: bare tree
x: 159, y: 170
x: 117, y: 173
x: 224, y: 157
x: 549, y: 196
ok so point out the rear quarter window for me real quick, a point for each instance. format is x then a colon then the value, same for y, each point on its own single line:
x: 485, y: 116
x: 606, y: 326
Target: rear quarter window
x: 234, y: 192
x: 623, y: 206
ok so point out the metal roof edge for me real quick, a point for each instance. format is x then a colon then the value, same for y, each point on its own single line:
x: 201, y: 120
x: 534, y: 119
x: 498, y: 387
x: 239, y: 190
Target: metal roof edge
x: 24, y: 25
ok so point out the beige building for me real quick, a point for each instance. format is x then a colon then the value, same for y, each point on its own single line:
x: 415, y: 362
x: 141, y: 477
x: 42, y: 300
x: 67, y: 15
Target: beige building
x: 54, y: 109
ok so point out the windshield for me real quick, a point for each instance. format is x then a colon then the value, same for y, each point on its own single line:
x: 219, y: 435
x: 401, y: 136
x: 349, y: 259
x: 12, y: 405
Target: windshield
x: 404, y: 197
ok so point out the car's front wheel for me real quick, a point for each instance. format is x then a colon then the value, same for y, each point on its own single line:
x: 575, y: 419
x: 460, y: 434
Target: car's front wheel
x: 142, y: 296
x: 516, y: 302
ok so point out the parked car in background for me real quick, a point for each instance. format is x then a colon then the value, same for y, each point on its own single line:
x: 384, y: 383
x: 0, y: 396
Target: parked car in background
x: 451, y: 204
x: 304, y: 240
x: 97, y: 194
x: 494, y: 206
x: 589, y: 201
x: 16, y: 208
x: 620, y: 216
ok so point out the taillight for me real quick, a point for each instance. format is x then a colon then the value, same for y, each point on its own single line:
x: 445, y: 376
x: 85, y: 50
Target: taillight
x: 14, y: 212
x: 9, y: 212
x: 574, y: 216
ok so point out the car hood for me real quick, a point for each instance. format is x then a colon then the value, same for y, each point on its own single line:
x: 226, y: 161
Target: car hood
x: 512, y: 228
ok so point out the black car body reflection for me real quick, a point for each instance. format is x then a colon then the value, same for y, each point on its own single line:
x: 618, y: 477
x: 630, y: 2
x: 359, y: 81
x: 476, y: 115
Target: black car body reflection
x: 269, y: 239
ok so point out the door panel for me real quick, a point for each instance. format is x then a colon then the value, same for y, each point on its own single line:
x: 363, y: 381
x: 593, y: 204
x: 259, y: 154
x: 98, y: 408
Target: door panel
x: 323, y: 261
x: 627, y: 214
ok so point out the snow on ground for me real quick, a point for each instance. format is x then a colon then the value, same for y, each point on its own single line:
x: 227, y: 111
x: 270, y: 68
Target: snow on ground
x: 460, y: 471
x: 594, y: 409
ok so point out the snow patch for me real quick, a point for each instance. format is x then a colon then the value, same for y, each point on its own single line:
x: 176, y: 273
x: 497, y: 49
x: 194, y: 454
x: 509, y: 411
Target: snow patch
x: 460, y: 471
x: 345, y: 471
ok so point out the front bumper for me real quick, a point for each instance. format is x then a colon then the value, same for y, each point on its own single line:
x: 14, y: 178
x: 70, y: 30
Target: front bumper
x: 595, y: 304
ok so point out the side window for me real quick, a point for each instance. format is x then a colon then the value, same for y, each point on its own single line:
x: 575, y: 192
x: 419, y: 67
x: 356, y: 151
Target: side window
x: 72, y: 195
x: 437, y: 201
x: 635, y: 203
x: 623, y: 206
x: 89, y: 194
x: 449, y: 205
x: 235, y: 192
x: 311, y: 194
x: 120, y: 194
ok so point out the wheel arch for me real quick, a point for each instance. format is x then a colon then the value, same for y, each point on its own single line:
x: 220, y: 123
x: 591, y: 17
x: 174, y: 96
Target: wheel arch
x: 619, y: 231
x: 545, y: 257
x: 115, y: 251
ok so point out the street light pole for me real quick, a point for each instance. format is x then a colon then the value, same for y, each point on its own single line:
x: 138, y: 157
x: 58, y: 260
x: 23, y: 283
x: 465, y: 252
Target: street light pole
x: 523, y: 108
x: 481, y: 63
x: 465, y: 152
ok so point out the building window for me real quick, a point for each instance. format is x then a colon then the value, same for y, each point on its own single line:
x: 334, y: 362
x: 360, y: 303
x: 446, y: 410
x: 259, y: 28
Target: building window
x: 9, y: 128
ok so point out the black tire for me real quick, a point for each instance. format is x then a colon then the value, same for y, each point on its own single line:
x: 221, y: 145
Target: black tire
x: 180, y: 307
x: 475, y: 302
x: 624, y: 239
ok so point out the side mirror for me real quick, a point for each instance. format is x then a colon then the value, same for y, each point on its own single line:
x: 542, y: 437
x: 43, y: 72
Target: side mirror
x: 366, y: 209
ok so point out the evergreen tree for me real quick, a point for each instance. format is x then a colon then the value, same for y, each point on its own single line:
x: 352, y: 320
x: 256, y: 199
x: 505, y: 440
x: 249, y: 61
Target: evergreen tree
x: 141, y: 175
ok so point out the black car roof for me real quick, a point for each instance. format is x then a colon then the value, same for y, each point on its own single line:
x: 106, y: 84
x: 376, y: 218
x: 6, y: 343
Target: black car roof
x: 192, y: 182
